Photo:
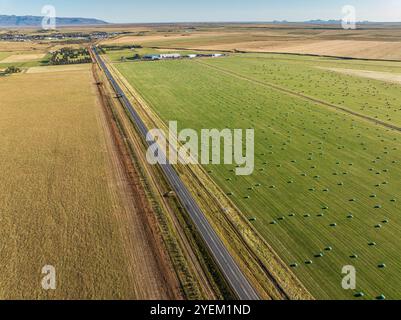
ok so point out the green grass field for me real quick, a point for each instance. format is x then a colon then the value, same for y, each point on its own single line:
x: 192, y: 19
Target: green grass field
x: 327, y: 185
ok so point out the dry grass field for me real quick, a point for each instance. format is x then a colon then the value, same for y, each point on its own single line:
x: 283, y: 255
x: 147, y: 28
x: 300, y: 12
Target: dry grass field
x: 376, y: 75
x: 16, y: 58
x: 368, y: 42
x: 51, y: 69
x: 23, y: 46
x: 64, y: 198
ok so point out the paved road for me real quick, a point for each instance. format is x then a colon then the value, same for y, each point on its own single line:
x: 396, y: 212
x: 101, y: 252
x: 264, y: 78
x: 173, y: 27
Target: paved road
x: 230, y: 270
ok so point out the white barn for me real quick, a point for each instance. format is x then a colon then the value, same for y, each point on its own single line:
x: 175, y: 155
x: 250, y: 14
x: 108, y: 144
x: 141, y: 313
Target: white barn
x: 170, y: 56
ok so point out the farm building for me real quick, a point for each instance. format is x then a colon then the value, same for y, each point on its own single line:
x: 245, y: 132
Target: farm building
x: 211, y: 55
x: 151, y: 57
x: 170, y: 56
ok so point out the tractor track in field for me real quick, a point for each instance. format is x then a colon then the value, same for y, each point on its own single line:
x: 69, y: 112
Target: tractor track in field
x: 304, y: 97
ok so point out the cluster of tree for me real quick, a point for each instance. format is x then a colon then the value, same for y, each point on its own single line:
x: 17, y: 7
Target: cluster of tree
x: 70, y: 56
x: 116, y: 48
x: 12, y: 69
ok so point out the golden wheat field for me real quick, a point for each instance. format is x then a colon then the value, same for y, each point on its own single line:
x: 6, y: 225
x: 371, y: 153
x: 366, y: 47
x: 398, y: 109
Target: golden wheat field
x: 375, y: 42
x: 59, y: 201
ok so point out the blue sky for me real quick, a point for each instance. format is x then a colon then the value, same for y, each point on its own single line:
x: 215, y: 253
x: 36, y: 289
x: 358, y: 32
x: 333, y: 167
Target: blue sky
x: 208, y: 10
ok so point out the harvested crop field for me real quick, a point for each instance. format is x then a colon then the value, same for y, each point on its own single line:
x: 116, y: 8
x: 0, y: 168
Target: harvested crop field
x: 155, y: 37
x: 326, y: 184
x: 369, y: 43
x: 51, y: 69
x: 334, y: 48
x: 382, y: 76
x: 15, y: 58
x: 66, y: 200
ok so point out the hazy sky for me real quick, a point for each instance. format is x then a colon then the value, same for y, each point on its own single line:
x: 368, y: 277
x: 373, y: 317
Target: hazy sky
x: 208, y: 10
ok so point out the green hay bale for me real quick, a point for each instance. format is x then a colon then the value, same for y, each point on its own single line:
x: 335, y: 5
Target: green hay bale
x: 381, y: 297
x: 273, y: 223
x: 378, y: 206
x: 294, y: 265
x: 291, y: 215
x: 319, y: 255
x: 382, y: 266
x: 359, y: 295
x: 328, y: 249
x: 354, y: 256
x: 385, y: 221
x: 372, y: 244
x: 252, y: 219
x: 378, y: 226
x: 309, y: 262
x: 306, y: 215
x: 333, y: 225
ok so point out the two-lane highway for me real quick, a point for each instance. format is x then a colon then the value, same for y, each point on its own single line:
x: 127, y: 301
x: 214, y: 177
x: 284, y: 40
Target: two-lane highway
x: 228, y: 267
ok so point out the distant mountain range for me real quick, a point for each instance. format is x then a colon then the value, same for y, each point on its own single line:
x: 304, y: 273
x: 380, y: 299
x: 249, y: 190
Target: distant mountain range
x: 331, y: 22
x: 36, y: 21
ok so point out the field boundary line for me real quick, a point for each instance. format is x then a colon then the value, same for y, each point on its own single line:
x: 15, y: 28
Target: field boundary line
x: 304, y: 96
